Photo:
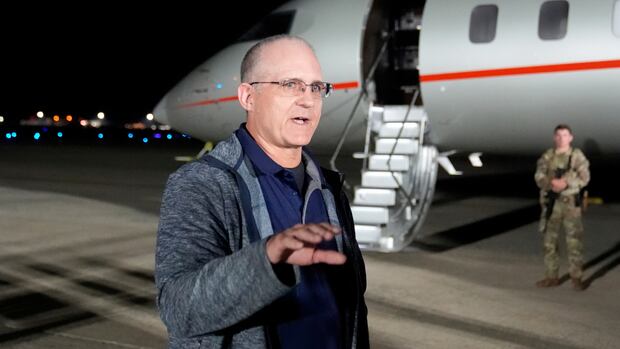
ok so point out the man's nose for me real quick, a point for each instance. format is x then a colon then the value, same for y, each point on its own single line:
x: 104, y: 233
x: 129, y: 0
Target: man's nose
x: 307, y: 98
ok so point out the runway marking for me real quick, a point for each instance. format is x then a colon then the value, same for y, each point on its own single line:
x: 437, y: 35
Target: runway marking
x: 463, y: 324
x: 96, y: 340
x: 109, y: 307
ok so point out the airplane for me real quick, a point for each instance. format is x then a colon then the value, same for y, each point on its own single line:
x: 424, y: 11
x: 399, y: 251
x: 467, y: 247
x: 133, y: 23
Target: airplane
x: 415, y: 81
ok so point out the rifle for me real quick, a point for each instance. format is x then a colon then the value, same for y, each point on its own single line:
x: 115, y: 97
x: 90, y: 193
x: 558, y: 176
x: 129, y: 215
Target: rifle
x: 551, y: 196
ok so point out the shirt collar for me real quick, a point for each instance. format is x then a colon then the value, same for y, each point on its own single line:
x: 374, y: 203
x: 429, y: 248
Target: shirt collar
x: 262, y: 162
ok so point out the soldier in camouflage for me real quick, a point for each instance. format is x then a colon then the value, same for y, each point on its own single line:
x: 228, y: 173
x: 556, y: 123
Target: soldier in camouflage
x: 561, y: 172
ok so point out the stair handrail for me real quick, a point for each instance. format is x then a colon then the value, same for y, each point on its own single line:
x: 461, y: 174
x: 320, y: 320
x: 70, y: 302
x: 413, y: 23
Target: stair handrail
x: 375, y: 64
x: 391, y: 153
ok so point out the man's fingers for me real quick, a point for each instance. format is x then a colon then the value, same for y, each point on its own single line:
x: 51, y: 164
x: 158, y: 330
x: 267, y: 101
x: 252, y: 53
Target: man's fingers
x: 328, y: 257
x: 306, y: 235
x: 290, y: 242
x: 314, y: 233
x: 295, y: 237
x: 303, y: 236
x: 325, y: 230
x: 321, y: 231
x: 334, y: 229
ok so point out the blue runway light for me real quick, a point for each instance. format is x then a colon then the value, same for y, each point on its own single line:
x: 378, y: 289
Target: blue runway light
x: 44, y: 129
x: 14, y: 134
x: 59, y: 134
x: 157, y: 135
x: 100, y: 136
x: 219, y: 85
x: 169, y: 136
x: 36, y: 136
x: 130, y: 135
x: 8, y: 136
x: 145, y: 140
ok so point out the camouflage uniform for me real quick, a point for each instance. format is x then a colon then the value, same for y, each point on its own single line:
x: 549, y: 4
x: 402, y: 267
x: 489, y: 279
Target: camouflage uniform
x: 565, y: 212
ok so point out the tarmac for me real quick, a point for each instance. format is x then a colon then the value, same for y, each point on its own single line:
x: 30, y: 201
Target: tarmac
x: 77, y: 235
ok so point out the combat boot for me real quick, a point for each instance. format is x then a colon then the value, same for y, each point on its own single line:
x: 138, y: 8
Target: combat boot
x: 548, y: 282
x: 578, y: 285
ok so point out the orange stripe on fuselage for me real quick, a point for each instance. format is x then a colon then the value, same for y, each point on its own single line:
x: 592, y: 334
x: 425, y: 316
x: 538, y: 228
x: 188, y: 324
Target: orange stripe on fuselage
x: 208, y: 101
x: 337, y: 86
x: 537, y: 69
x: 345, y: 85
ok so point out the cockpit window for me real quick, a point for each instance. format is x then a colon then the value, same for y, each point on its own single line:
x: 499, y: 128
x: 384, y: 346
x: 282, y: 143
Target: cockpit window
x: 483, y: 24
x: 273, y: 24
x: 553, y: 20
x: 616, y: 19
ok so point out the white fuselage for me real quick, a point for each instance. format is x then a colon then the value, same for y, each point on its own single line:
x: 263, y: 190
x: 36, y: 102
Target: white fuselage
x: 504, y: 96
x: 545, y: 82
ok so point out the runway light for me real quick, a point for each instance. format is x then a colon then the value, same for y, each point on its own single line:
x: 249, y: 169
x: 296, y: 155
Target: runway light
x: 69, y: 118
x: 14, y: 134
x: 100, y: 135
x: 95, y: 123
x: 36, y: 136
x: 130, y: 135
x: 145, y: 140
x: 56, y: 118
x: 219, y: 85
x: 100, y: 115
x: 59, y: 134
x: 1, y: 119
x: 84, y: 123
x: 169, y: 136
x: 8, y: 136
x: 150, y: 116
x: 157, y: 135
x: 40, y: 114
x: 44, y: 129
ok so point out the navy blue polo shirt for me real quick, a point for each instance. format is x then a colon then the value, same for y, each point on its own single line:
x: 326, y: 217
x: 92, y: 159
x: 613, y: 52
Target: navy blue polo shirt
x: 310, y: 316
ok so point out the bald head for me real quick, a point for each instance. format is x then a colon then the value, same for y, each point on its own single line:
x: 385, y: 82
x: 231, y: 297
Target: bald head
x: 252, y: 63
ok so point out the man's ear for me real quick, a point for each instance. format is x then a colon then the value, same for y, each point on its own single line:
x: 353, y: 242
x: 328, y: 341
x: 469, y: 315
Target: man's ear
x: 245, y: 94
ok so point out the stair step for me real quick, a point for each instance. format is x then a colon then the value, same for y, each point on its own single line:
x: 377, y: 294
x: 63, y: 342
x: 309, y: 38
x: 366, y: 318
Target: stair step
x: 379, y: 162
x: 376, y: 197
x: 370, y: 215
x: 381, y: 179
x: 392, y: 129
x: 403, y: 146
x: 396, y: 113
x: 367, y: 233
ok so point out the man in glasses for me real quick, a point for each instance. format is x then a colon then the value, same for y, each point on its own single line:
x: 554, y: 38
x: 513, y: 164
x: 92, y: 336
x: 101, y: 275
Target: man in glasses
x: 256, y: 247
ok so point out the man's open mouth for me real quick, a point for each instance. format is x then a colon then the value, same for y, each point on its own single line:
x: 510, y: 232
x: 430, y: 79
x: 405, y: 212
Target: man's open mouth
x: 301, y: 120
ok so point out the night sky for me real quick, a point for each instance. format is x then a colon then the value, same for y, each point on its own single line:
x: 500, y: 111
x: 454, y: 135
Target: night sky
x: 96, y: 56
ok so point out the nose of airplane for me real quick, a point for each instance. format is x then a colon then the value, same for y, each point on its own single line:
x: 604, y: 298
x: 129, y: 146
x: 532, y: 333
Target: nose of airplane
x: 160, y: 112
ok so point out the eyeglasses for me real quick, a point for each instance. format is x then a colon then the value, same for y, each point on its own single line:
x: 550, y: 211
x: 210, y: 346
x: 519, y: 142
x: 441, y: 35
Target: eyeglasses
x: 295, y: 87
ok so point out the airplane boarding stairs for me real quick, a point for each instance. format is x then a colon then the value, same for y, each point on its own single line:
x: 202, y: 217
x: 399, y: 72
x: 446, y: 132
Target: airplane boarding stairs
x: 398, y: 178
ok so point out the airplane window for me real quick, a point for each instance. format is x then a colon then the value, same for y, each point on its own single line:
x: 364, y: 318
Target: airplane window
x: 616, y: 20
x: 553, y: 20
x: 273, y: 24
x: 483, y: 24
